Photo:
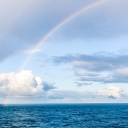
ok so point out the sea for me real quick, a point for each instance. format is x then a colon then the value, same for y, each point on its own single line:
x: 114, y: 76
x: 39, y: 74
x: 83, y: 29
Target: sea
x: 64, y: 116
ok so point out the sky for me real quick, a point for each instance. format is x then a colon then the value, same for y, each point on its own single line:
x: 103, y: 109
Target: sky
x: 52, y: 52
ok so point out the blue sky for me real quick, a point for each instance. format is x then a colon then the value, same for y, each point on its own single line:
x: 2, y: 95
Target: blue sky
x: 84, y: 61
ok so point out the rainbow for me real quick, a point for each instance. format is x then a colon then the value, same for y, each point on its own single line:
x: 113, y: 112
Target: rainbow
x: 60, y: 25
x: 55, y: 29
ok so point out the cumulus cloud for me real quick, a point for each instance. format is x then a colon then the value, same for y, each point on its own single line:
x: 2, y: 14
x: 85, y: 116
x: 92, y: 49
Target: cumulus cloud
x: 23, y: 84
x: 112, y: 92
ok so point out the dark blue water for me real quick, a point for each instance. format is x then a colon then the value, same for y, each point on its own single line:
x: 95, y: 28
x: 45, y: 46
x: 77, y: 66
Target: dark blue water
x: 64, y: 116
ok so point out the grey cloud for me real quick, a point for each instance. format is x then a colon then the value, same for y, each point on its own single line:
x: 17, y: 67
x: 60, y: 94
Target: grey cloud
x: 112, y: 92
x: 79, y: 84
x: 113, y: 77
x: 23, y: 24
x: 55, y: 97
x: 111, y: 97
x: 27, y: 22
x: 91, y: 74
x: 93, y: 62
x: 30, y: 21
x: 48, y: 86
x: 97, y: 79
x: 91, y: 67
x: 104, y: 79
x: 59, y: 94
x: 7, y: 49
x: 98, y: 23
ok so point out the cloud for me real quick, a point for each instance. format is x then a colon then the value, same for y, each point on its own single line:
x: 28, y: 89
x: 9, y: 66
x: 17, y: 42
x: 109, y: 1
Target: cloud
x: 101, y: 68
x: 76, y: 73
x: 112, y: 92
x: 97, y: 23
x: 81, y: 84
x: 121, y: 72
x: 48, y: 86
x: 65, y: 94
x: 108, y: 79
x: 23, y: 84
x: 111, y: 97
x: 93, y: 62
x: 23, y: 24
x: 26, y: 85
x: 115, y: 76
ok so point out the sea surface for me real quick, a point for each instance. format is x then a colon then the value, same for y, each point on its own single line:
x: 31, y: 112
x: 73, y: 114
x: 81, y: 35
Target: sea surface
x: 64, y: 116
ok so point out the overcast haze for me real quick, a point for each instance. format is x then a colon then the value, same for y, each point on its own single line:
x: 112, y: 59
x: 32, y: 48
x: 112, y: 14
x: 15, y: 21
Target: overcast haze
x: 83, y: 61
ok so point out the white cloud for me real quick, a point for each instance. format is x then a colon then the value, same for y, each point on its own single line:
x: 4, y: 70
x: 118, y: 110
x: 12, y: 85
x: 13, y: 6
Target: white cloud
x: 110, y: 91
x: 24, y: 83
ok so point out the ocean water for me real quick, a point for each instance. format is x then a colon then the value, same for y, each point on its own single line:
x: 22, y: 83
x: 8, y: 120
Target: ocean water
x: 64, y: 116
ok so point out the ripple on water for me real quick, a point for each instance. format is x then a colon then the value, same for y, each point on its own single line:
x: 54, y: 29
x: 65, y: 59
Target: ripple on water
x: 64, y: 115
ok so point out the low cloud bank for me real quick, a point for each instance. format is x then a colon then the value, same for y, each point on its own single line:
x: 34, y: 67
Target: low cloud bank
x: 27, y: 86
x: 112, y: 92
